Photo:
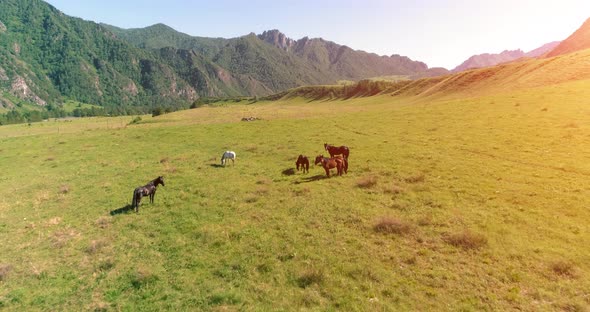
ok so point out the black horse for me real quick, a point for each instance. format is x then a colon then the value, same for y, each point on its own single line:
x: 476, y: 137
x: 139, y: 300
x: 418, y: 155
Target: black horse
x: 333, y: 150
x: 148, y: 189
x: 303, y: 162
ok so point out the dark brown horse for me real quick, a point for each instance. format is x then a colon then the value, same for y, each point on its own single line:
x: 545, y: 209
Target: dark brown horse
x: 338, y: 162
x: 146, y: 190
x: 303, y: 162
x: 333, y: 150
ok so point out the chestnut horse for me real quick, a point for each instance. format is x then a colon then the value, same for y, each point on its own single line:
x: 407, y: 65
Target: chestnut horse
x: 303, y: 162
x: 333, y: 150
x: 146, y: 190
x: 338, y: 162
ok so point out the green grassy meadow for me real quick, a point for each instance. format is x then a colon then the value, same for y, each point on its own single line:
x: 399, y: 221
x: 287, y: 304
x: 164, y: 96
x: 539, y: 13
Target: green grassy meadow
x: 468, y: 204
x: 69, y: 106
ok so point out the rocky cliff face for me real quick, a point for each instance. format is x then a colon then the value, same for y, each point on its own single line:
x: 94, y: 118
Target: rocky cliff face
x: 21, y: 89
x: 278, y: 39
x: 3, y: 75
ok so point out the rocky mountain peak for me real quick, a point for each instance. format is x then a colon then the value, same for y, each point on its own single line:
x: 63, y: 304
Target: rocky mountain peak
x: 278, y: 39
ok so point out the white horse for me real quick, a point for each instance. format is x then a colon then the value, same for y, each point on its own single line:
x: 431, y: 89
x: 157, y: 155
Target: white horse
x: 228, y: 155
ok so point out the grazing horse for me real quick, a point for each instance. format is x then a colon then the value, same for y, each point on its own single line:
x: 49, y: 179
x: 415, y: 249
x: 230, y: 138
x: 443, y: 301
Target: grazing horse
x: 228, y: 155
x: 303, y: 162
x: 338, y: 162
x: 148, y: 189
x: 333, y: 150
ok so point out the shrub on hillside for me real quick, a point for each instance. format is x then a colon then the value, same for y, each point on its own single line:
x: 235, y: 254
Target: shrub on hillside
x: 157, y: 111
x: 135, y: 120
x: 367, y: 182
x: 416, y: 178
x: 390, y: 225
x: 563, y: 268
x: 4, y: 270
x: 467, y: 240
x: 394, y: 189
x: 309, y: 277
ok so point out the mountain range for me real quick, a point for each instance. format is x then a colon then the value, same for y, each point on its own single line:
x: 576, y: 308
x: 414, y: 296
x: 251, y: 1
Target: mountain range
x: 491, y: 59
x: 48, y: 57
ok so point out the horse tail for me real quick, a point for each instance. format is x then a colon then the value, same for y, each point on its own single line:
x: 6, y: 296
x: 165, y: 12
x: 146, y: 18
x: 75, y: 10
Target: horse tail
x: 134, y: 200
x: 346, y: 165
x: 137, y: 195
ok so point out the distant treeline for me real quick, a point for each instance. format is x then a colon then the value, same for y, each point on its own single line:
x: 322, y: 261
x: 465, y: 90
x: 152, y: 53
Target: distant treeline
x: 15, y: 116
x: 212, y: 100
x: 22, y: 115
x: 362, y: 88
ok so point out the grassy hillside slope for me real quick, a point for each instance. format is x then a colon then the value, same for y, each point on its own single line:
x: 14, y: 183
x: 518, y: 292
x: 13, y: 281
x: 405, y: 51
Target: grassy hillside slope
x: 452, y: 204
x: 579, y: 40
x: 515, y: 76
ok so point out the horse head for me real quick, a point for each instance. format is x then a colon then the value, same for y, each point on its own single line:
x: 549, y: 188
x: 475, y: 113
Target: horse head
x: 318, y: 159
x: 159, y: 180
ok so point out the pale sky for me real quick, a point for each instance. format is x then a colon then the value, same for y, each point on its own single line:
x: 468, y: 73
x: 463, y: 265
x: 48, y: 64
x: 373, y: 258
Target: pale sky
x: 441, y: 33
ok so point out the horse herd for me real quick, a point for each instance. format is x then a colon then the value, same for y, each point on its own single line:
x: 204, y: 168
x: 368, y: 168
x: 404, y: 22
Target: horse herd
x: 338, y: 159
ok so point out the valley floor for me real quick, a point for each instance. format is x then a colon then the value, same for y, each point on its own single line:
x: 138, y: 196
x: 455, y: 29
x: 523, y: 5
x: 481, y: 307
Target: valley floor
x: 449, y: 204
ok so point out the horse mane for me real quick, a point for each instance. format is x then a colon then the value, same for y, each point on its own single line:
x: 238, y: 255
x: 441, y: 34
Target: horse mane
x: 156, y: 181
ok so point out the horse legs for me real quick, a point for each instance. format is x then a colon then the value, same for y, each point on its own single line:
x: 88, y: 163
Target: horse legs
x: 137, y: 201
x: 327, y: 171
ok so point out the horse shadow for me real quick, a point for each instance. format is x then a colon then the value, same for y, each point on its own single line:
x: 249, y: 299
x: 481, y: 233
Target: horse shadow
x: 288, y: 172
x: 216, y: 165
x: 314, y: 178
x: 125, y: 209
